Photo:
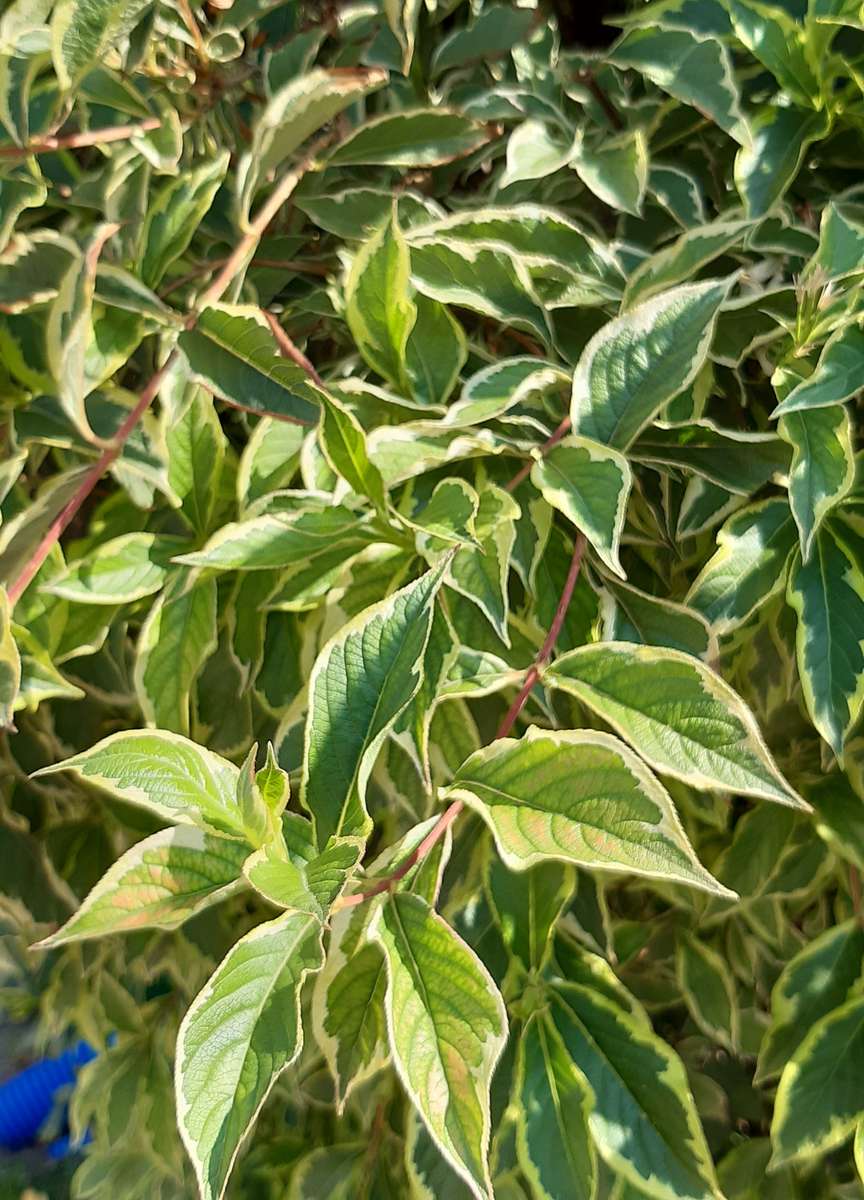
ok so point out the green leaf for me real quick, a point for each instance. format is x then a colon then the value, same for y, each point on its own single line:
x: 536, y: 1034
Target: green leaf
x: 117, y: 571
x: 348, y: 1003
x: 816, y: 981
x: 162, y: 772
x: 196, y: 452
x: 589, y: 483
x: 435, y: 353
x: 70, y: 332
x: 281, y: 539
x: 555, y: 1149
x: 378, y: 304
x: 535, y: 150
x: 740, y: 462
x: 649, y: 1132
x: 681, y: 260
x: 766, y: 167
x: 482, y: 276
x: 344, y: 444
x: 493, y: 32
x: 679, y: 714
x: 82, y: 31
x: 823, y: 466
x: 546, y: 796
x: 243, y: 1028
x: 527, y: 905
x: 819, y: 1100
x: 630, y: 615
x: 447, y: 1028
x: 615, y: 170
x: 694, y: 70
x: 158, y: 884
x: 296, y: 111
x: 10, y: 663
x: 749, y: 567
x: 308, y: 886
x: 360, y: 683
x: 176, y: 212
x: 231, y: 351
x: 175, y: 641
x: 423, y: 138
x: 837, y: 375
x: 481, y: 574
x: 449, y: 513
x: 827, y: 593
x: 638, y: 362
x: 709, y: 989
x: 780, y: 44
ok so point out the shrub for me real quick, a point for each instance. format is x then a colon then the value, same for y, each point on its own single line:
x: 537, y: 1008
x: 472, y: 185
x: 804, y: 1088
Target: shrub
x: 432, y: 650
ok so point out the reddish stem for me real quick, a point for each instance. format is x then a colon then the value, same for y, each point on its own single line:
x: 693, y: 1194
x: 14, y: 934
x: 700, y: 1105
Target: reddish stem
x: 525, y: 471
x: 452, y: 812
x: 235, y: 263
x: 86, y: 137
x: 289, y: 350
x: 88, y: 483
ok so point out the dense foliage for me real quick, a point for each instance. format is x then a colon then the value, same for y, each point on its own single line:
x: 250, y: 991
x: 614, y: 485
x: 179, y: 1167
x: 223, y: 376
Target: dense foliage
x: 432, y: 645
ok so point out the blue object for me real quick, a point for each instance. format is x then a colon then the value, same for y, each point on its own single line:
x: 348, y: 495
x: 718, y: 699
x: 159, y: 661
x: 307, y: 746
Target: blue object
x: 27, y: 1099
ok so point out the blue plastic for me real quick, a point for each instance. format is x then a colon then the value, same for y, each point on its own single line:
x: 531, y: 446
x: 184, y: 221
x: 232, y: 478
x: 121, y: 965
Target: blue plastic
x: 27, y: 1099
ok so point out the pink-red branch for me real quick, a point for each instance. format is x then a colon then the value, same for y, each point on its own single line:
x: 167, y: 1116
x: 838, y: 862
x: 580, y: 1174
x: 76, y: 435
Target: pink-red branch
x: 86, y: 137
x: 231, y: 267
x: 450, y: 813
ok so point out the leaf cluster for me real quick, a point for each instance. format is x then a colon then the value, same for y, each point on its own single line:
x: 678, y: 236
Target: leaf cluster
x: 432, y: 595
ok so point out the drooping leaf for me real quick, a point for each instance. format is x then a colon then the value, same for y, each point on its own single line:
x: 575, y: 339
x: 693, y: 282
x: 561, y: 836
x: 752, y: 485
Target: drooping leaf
x: 379, y: 308
x: 83, y: 30
x: 447, y: 1028
x: 678, y: 713
x: 766, y: 166
x: 615, y: 170
x: 837, y: 375
x: 694, y: 70
x: 294, y: 112
x: 817, y: 980
x: 651, y: 1135
x: 580, y: 797
x: 527, y: 904
x: 827, y: 593
x: 590, y: 483
x: 10, y: 663
x: 175, y: 641
x: 709, y: 989
x: 175, y: 214
x: 281, y: 539
x: 823, y: 466
x: 480, y: 574
x: 244, y: 1025
x: 554, y: 1144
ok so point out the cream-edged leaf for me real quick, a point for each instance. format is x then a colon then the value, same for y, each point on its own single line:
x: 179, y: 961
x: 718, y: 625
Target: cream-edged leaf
x: 681, y: 716
x: 590, y: 483
x: 165, y: 773
x: 447, y: 1028
x: 159, y: 883
x: 242, y: 1030
x: 578, y: 796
